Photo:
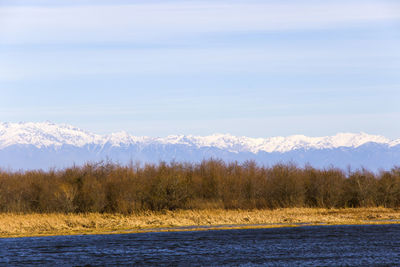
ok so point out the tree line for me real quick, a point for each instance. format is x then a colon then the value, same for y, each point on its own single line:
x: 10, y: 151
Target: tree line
x: 109, y: 187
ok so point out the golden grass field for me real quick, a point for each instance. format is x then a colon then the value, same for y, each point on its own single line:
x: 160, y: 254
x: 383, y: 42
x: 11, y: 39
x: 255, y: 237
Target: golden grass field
x: 18, y: 225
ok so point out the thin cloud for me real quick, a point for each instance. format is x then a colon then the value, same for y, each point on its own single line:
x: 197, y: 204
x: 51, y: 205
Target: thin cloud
x: 162, y: 21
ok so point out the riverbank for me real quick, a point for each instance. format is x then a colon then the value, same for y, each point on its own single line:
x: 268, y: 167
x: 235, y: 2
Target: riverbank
x: 20, y: 225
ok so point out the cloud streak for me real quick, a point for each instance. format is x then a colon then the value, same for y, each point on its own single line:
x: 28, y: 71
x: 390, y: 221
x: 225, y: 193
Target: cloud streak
x: 271, y: 60
x: 166, y: 20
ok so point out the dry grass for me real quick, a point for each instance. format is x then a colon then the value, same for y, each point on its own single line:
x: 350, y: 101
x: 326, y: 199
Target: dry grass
x: 16, y: 225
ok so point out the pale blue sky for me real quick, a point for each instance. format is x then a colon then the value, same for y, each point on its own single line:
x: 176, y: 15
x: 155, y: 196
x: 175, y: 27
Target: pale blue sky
x: 254, y: 68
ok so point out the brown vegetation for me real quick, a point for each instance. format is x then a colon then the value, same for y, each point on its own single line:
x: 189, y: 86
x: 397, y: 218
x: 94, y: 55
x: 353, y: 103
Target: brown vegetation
x: 16, y: 225
x: 111, y: 188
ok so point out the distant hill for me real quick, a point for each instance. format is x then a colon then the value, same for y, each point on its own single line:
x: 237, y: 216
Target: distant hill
x: 47, y: 145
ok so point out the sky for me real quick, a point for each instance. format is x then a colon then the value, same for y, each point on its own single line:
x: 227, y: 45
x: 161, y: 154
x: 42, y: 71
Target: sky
x: 248, y: 68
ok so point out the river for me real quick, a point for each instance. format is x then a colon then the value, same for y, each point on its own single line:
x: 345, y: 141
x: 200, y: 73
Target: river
x: 352, y: 245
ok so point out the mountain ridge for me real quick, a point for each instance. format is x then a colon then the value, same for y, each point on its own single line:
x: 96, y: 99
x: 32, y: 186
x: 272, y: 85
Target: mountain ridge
x: 44, y: 134
x: 48, y: 145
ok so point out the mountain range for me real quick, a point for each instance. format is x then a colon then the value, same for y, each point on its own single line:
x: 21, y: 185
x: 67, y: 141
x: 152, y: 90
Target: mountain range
x: 47, y: 145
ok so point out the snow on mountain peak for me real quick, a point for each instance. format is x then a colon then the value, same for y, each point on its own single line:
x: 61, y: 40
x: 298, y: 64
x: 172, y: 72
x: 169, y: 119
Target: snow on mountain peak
x: 123, y: 138
x: 119, y: 138
x: 395, y: 143
x: 45, y: 134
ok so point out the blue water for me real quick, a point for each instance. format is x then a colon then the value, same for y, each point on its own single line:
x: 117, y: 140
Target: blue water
x: 308, y: 245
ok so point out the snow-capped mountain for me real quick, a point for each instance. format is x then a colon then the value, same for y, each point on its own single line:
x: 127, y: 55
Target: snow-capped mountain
x: 43, y: 145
